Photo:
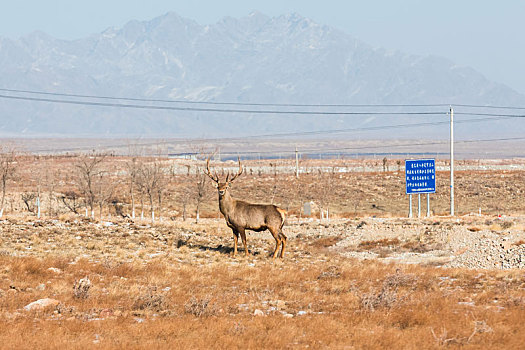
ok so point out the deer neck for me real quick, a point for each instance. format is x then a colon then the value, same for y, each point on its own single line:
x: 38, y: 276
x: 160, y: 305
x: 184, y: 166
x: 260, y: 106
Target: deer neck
x: 226, y: 204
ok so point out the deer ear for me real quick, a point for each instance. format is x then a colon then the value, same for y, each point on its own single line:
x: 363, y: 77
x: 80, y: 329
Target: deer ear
x: 216, y: 185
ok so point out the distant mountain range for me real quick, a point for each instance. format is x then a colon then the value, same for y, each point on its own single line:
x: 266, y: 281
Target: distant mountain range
x: 255, y: 59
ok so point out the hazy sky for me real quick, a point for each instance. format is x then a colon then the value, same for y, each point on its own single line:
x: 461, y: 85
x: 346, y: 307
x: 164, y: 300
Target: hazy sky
x: 487, y: 35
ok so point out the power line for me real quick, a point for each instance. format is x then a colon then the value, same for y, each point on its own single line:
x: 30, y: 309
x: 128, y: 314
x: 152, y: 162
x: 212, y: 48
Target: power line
x: 217, y: 103
x: 396, y: 145
x: 337, y: 131
x: 192, y: 109
x: 487, y: 106
x: 491, y: 114
x: 277, y: 135
x: 258, y: 103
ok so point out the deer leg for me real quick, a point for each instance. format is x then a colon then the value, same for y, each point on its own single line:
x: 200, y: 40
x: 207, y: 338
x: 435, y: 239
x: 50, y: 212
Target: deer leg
x: 235, y: 238
x: 277, y: 242
x: 283, y: 243
x: 243, y: 237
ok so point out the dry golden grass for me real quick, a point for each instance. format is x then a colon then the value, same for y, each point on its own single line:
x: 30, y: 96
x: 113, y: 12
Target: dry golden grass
x: 371, y: 305
x: 385, y: 242
x: 194, y: 295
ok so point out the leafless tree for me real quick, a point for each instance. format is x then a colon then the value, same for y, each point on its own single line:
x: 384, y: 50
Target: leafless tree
x: 184, y: 192
x: 140, y: 186
x: 201, y: 192
x: 161, y: 190
x: 28, y: 199
x: 133, y: 166
x: 37, y: 175
x: 71, y: 200
x: 8, y: 164
x: 325, y: 183
x: 106, y: 189
x: 150, y: 178
x: 89, y: 169
x: 50, y: 181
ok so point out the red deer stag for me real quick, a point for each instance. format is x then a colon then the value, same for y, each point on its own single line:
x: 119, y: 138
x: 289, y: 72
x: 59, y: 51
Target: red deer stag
x: 241, y: 216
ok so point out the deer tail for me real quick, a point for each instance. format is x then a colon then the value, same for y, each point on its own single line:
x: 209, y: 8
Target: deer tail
x: 283, y: 213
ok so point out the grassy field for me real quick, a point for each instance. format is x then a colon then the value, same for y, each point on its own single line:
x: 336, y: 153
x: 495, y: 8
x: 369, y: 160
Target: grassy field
x: 174, y: 283
x: 177, y: 286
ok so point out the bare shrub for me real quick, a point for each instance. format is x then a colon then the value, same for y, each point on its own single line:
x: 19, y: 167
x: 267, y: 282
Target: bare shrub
x: 330, y: 273
x: 28, y: 198
x: 152, y: 299
x: 238, y: 329
x: 443, y: 339
x: 388, y: 297
x: 200, y: 307
x: 506, y: 225
x: 71, y: 200
x: 81, y: 288
x: 400, y: 279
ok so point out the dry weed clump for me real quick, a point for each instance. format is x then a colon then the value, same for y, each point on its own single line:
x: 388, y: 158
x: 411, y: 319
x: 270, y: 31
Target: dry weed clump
x: 200, y: 307
x: 388, y: 296
x: 385, y: 242
x: 151, y: 300
x: 81, y: 288
x: 330, y: 273
x: 444, y: 339
x: 506, y: 225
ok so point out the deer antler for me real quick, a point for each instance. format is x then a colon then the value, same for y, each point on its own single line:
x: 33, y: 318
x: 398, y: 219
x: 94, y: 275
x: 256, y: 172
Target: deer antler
x: 238, y: 173
x: 214, y: 177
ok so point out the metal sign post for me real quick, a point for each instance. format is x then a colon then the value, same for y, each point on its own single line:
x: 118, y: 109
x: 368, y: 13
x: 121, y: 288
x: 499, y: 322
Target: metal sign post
x: 419, y: 205
x: 410, y: 206
x: 428, y: 205
x: 420, y: 177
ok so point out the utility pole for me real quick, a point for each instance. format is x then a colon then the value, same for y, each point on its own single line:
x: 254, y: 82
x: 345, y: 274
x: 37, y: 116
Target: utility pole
x: 296, y: 163
x: 451, y: 161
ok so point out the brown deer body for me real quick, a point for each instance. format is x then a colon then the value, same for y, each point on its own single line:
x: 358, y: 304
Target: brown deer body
x: 241, y: 216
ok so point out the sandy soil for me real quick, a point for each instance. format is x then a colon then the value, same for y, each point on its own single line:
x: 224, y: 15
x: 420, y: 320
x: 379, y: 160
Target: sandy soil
x: 470, y: 241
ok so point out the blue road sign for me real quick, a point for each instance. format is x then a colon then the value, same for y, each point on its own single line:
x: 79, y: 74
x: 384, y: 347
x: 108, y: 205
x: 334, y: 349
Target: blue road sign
x: 420, y: 176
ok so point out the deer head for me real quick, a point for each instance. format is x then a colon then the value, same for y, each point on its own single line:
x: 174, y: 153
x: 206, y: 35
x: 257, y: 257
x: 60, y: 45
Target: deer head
x: 222, y: 187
